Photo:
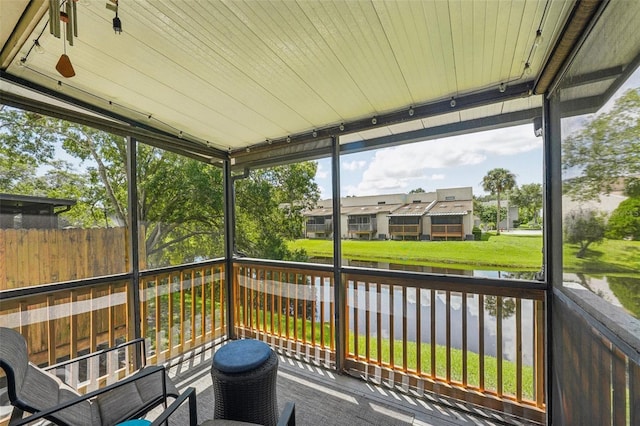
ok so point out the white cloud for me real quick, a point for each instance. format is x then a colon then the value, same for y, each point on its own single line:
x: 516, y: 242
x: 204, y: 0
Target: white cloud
x: 394, y: 170
x: 324, y: 194
x: 321, y: 173
x: 354, y: 165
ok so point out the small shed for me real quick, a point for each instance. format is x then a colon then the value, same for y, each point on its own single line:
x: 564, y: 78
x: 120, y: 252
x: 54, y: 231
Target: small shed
x: 27, y: 212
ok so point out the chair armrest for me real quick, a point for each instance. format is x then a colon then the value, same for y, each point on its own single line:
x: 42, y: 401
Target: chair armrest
x: 104, y: 351
x: 42, y: 414
x: 190, y: 394
x: 288, y: 415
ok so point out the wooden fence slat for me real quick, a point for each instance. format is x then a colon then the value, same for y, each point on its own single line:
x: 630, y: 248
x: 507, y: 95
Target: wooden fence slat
x: 634, y: 393
x: 3, y: 260
x: 30, y: 257
x: 481, y: 341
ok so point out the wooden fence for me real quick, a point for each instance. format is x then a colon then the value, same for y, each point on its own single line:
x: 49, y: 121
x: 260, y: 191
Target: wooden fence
x: 31, y: 257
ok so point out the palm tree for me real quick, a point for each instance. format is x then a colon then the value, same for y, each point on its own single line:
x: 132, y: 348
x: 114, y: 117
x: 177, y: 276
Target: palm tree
x: 496, y: 182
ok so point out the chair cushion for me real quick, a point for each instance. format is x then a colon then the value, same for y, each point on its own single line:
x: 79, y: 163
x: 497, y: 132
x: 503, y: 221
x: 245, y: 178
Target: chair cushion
x: 119, y: 404
x: 47, y: 391
x: 150, y: 387
x: 135, y: 398
x: 241, y: 356
x: 82, y: 413
x: 13, y: 358
x: 39, y: 390
x: 135, y: 422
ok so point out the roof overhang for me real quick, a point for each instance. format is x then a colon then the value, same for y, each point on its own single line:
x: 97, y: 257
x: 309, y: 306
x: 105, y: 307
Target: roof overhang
x: 269, y: 83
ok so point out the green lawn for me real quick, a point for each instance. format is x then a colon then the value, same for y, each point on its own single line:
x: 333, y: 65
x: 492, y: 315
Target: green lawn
x: 473, y: 359
x: 504, y: 252
x: 473, y: 365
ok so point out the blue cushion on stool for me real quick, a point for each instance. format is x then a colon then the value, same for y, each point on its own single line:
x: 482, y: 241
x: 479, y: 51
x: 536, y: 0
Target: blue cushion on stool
x: 240, y: 356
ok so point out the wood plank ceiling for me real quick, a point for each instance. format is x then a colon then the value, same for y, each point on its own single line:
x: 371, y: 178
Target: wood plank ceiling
x: 233, y: 74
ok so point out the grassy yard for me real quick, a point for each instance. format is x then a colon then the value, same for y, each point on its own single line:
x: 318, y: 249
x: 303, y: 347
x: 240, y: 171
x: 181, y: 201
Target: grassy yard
x: 504, y: 252
x: 473, y: 359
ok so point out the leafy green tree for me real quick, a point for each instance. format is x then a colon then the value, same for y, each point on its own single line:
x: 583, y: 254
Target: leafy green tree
x: 507, y: 305
x: 269, y: 205
x: 488, y: 214
x: 624, y: 221
x: 417, y: 191
x: 605, y: 150
x: 584, y: 227
x: 632, y: 187
x: 180, y: 205
x: 528, y: 198
x: 497, y: 181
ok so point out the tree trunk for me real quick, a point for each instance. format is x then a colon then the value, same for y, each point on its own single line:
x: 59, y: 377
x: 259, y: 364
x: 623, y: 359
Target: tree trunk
x: 582, y: 251
x: 498, y: 214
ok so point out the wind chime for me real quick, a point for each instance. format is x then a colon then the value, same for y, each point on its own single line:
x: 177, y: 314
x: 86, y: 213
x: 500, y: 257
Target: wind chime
x: 65, y: 12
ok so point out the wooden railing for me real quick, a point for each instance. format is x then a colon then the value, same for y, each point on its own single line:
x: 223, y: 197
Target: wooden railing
x: 401, y: 230
x: 63, y: 324
x: 362, y: 227
x: 291, y: 308
x: 483, y: 345
x: 447, y: 231
x: 319, y: 227
x: 470, y: 340
x: 181, y: 308
x: 596, y: 375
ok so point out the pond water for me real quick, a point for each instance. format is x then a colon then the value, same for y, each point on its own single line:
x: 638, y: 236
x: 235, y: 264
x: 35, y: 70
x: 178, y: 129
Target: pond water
x: 420, y: 299
x: 620, y: 291
x: 486, y: 273
x: 623, y: 292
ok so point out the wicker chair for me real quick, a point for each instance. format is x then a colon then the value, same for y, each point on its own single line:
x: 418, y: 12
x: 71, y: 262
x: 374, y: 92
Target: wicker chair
x: 34, y: 390
x: 244, y: 374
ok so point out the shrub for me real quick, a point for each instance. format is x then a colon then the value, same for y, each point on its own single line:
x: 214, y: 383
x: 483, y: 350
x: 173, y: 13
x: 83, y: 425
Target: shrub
x: 477, y: 233
x: 584, y: 227
x: 625, y: 220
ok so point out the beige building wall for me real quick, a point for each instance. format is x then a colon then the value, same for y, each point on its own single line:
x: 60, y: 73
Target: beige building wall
x: 465, y: 193
x: 444, y: 194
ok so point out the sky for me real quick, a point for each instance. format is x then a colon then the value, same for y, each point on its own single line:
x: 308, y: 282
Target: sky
x: 440, y: 163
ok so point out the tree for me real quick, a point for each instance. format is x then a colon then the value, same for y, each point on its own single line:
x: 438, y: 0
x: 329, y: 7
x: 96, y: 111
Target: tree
x: 180, y: 200
x: 269, y: 209
x: 488, y: 214
x: 624, y: 221
x: 417, y: 191
x: 605, y: 150
x: 497, y: 181
x: 632, y: 187
x: 528, y: 198
x: 584, y: 227
x: 507, y: 306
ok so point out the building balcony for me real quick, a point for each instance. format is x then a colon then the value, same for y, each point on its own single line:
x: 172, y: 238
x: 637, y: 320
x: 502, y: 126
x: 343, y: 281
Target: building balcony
x: 447, y: 231
x: 404, y: 230
x: 362, y: 228
x: 417, y: 346
x: 319, y: 228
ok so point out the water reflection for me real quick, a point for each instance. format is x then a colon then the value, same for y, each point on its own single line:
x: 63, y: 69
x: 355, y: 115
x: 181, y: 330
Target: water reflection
x: 623, y: 292
x: 391, y: 305
x: 439, y: 304
x: 485, y: 273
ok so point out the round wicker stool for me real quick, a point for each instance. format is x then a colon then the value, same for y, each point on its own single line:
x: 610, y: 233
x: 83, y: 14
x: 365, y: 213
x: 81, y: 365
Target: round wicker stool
x: 244, y: 376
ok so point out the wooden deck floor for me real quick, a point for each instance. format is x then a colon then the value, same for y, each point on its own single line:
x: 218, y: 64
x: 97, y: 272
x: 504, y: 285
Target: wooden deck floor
x: 325, y: 398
